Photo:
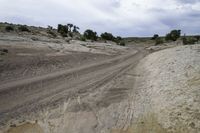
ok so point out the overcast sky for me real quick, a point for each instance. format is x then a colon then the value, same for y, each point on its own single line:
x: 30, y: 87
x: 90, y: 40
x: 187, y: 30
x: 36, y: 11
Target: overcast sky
x: 121, y: 17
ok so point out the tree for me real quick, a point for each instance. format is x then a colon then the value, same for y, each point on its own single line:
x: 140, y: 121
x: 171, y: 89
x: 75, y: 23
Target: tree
x: 89, y: 34
x: 23, y: 28
x: 75, y: 29
x: 197, y: 37
x: 63, y: 30
x: 50, y: 27
x: 70, y: 27
x: 107, y: 36
x: 173, y: 35
x: 9, y: 28
x: 51, y: 32
x: 155, y: 36
x: 119, y: 38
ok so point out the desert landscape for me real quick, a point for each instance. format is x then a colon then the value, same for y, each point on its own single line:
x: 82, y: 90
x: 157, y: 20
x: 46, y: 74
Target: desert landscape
x: 53, y: 85
x: 99, y: 66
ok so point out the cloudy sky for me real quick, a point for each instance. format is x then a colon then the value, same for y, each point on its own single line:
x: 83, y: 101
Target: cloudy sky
x: 121, y: 17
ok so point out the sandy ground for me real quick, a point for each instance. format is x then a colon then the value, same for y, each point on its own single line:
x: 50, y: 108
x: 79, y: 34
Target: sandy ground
x: 94, y: 101
x: 168, y: 91
x: 39, y: 79
x: 85, y: 87
x: 27, y: 57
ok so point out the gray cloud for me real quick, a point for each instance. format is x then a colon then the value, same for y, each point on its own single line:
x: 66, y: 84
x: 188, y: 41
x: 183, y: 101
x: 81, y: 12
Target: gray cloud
x: 188, y: 1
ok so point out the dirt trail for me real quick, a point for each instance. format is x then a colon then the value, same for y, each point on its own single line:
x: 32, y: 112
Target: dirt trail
x: 19, y: 98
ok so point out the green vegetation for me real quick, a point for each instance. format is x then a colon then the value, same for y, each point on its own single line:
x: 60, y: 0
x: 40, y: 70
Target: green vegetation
x: 155, y: 36
x: 158, y: 41
x: 71, y: 30
x: 75, y: 29
x: 107, y: 36
x: 66, y: 30
x: 173, y: 35
x: 83, y: 38
x: 63, y: 30
x: 90, y: 34
x: 52, y: 33
x: 122, y: 43
x: 189, y: 40
x: 9, y: 28
x: 118, y: 38
x: 23, y: 28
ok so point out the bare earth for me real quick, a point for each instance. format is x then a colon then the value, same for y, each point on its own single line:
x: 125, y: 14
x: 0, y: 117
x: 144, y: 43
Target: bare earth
x: 50, y: 86
x: 37, y: 80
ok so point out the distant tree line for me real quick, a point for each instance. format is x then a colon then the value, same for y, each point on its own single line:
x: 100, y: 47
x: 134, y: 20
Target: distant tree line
x: 68, y: 30
x: 92, y: 35
x: 174, y: 35
x: 71, y: 30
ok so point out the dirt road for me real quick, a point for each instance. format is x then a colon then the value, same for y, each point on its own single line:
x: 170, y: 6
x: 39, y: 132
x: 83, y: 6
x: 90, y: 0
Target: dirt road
x: 19, y: 98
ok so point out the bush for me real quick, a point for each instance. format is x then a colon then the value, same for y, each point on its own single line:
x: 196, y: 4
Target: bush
x: 83, y: 38
x: 173, y: 35
x: 91, y: 35
x: 189, y: 40
x: 158, y: 41
x: 50, y: 32
x: 107, y: 36
x: 63, y: 30
x: 118, y: 39
x: 197, y: 37
x: 155, y: 37
x: 9, y: 28
x: 23, y: 28
x: 122, y: 43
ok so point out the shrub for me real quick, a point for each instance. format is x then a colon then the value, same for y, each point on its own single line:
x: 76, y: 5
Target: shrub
x: 158, y: 41
x: 23, y: 28
x: 91, y: 35
x: 119, y: 38
x: 155, y: 36
x: 197, y: 37
x: 107, y: 36
x: 122, y: 43
x: 173, y: 35
x: 9, y: 28
x: 83, y: 38
x: 189, y: 40
x: 63, y: 30
x: 50, y: 32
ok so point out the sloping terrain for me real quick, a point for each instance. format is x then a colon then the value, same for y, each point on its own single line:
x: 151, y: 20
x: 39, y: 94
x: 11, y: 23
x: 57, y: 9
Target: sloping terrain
x: 168, y: 98
x: 56, y: 86
x: 38, y: 88
x: 28, y: 57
